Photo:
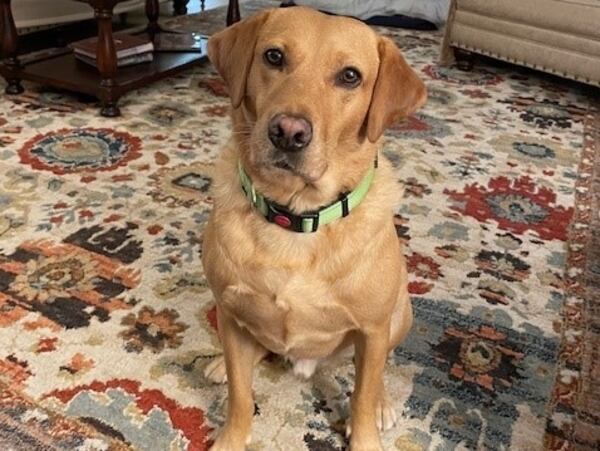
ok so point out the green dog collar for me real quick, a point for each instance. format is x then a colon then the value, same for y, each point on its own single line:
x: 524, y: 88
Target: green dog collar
x: 309, y: 221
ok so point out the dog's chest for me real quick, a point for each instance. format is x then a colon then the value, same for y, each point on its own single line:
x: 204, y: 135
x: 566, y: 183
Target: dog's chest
x: 300, y: 317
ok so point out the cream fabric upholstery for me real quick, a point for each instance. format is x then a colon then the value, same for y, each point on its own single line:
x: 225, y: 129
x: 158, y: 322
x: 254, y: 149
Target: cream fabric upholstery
x: 557, y: 36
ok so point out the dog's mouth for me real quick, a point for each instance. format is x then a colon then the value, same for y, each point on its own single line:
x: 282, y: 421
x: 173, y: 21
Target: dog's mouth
x: 286, y: 162
x: 282, y: 164
x: 309, y: 177
x: 293, y: 165
x: 294, y: 169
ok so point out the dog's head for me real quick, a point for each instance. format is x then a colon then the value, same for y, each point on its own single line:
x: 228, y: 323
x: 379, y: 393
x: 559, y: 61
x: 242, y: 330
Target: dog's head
x: 311, y: 94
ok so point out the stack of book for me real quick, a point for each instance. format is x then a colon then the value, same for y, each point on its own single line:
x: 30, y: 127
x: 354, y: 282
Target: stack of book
x: 130, y: 50
x: 176, y: 41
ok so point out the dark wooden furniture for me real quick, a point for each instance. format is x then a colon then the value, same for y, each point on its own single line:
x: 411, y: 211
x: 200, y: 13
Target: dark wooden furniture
x: 180, y: 6
x: 108, y: 84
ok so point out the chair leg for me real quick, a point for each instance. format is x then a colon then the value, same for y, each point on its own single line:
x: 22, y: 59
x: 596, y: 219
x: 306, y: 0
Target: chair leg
x: 464, y: 59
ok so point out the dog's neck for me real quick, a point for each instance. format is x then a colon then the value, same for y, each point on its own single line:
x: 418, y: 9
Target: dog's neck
x: 306, y: 222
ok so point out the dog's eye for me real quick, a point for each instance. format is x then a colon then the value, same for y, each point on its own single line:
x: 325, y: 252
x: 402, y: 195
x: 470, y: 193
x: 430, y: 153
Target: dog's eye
x: 349, y: 77
x: 274, y: 57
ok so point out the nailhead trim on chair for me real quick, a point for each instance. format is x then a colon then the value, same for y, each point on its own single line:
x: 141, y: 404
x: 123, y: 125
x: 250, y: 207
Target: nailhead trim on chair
x: 524, y: 63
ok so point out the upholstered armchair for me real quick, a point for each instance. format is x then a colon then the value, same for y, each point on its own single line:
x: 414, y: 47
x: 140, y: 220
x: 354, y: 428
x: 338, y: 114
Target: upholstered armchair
x: 557, y: 36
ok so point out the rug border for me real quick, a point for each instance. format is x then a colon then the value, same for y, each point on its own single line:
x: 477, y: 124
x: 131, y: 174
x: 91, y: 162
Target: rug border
x: 572, y: 422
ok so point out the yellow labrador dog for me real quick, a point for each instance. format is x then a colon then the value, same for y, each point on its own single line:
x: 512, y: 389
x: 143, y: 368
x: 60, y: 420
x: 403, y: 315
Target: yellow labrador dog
x: 300, y: 250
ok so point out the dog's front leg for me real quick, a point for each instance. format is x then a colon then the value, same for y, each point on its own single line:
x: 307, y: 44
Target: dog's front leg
x: 240, y: 350
x: 370, y: 356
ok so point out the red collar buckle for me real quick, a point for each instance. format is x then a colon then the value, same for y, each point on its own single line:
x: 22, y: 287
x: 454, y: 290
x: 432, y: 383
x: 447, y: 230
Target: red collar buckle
x: 282, y: 221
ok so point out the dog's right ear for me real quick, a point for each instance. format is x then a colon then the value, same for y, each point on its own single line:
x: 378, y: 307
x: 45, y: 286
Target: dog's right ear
x: 231, y: 51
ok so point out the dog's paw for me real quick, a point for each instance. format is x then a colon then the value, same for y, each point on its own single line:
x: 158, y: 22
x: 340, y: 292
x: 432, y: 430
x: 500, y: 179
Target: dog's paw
x: 364, y: 443
x: 385, y: 417
x: 230, y: 442
x: 215, y: 370
x: 366, y: 446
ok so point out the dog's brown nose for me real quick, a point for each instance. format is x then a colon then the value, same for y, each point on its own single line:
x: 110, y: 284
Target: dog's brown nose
x: 290, y: 133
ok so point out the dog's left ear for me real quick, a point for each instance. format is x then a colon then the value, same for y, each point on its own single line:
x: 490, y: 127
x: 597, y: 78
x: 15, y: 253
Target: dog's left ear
x: 398, y: 91
x: 231, y: 51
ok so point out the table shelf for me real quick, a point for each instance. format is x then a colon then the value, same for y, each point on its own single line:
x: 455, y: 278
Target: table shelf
x: 107, y: 82
x: 67, y: 72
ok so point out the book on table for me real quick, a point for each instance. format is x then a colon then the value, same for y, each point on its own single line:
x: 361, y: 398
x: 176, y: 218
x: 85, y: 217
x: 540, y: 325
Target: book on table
x: 129, y: 50
x: 123, y: 62
x: 181, y: 42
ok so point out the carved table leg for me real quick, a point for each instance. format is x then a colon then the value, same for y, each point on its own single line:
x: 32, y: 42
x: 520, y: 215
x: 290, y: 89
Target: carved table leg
x: 107, y: 62
x: 180, y: 7
x: 8, y: 46
x: 110, y: 108
x: 152, y: 12
x: 464, y: 59
x: 233, y: 12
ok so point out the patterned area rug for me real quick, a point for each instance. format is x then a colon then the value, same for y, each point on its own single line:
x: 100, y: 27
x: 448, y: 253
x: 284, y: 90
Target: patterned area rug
x: 106, y: 322
x: 25, y: 426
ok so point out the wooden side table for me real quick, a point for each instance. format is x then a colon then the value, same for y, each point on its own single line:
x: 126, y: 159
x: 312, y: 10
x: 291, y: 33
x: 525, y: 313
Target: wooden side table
x: 107, y: 83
